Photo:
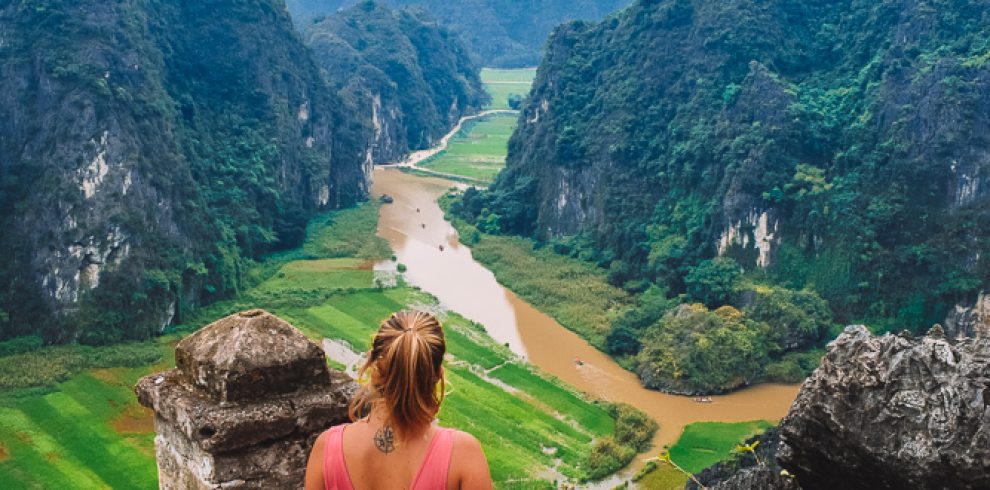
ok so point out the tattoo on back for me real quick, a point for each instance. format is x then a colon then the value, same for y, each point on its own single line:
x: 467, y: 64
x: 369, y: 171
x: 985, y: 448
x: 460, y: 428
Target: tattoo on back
x: 385, y: 439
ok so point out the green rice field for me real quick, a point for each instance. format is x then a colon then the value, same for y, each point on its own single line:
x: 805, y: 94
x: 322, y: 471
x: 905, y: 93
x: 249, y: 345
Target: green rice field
x: 501, y: 83
x: 89, y: 432
x: 477, y: 152
x: 701, y: 445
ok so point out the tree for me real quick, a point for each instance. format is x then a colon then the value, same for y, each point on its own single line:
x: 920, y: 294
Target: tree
x: 627, y: 330
x: 713, y: 282
x: 515, y: 101
x: 797, y: 319
x: 694, y: 350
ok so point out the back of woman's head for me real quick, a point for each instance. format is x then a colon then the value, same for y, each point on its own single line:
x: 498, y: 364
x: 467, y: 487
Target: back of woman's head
x: 405, y: 375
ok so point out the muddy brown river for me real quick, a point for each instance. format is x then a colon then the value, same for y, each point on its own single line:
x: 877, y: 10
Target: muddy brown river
x: 415, y: 227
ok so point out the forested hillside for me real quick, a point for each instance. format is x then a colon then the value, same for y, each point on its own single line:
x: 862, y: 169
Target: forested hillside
x: 413, y: 78
x: 501, y: 33
x: 151, y: 150
x: 759, y: 155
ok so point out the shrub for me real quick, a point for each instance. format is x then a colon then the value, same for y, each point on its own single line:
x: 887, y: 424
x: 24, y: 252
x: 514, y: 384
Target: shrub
x: 49, y: 366
x: 606, y: 457
x: 797, y: 319
x: 633, y: 428
x: 624, y: 336
x: 694, y: 350
x: 794, y: 367
x: 20, y: 345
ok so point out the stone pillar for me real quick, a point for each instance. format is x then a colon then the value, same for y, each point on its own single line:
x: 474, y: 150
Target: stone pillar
x: 247, y: 398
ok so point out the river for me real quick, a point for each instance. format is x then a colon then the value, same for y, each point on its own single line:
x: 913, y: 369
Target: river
x: 414, y: 226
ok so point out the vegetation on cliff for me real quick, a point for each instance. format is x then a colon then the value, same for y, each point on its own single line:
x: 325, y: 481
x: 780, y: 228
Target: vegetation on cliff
x: 501, y: 33
x: 413, y: 78
x: 834, y: 149
x: 152, y: 152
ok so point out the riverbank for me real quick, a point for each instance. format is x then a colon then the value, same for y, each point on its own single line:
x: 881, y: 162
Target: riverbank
x: 87, y: 431
x: 415, y: 227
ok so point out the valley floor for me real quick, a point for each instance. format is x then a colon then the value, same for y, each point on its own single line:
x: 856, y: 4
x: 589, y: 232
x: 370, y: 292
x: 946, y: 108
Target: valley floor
x: 76, y: 423
x: 88, y: 431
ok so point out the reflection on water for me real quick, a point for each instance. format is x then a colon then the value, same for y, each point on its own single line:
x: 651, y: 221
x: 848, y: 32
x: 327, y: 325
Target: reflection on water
x: 413, y: 224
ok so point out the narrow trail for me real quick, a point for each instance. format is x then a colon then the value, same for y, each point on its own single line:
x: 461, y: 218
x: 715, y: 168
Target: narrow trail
x: 415, y: 158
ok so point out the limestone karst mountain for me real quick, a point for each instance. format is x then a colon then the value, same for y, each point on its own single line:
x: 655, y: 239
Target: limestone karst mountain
x: 837, y: 145
x: 151, y: 150
x: 500, y: 33
x: 412, y: 78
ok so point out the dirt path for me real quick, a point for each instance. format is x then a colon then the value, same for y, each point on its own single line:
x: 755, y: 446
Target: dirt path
x: 417, y: 157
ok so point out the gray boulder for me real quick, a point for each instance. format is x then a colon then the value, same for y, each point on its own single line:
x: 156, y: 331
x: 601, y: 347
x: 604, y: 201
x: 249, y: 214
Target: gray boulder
x: 892, y: 412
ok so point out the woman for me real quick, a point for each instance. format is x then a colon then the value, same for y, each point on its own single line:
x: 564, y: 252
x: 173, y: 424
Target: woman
x: 397, y: 444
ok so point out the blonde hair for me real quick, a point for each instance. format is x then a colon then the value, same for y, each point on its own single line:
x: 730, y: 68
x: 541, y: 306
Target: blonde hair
x: 405, y: 374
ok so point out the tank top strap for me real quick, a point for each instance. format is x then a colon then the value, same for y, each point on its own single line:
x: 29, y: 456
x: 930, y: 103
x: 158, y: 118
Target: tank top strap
x: 335, y: 475
x: 433, y: 474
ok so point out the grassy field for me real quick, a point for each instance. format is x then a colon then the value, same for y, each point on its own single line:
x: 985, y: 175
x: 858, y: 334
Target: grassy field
x: 574, y: 292
x: 478, y: 151
x: 514, y: 418
x: 701, y: 445
x: 501, y: 83
x: 79, y: 425
x: 705, y: 443
x: 87, y: 432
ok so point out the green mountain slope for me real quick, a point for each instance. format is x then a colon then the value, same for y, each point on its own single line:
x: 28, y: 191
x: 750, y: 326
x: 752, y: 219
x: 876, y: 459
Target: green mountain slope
x: 413, y: 78
x: 502, y: 33
x: 151, y: 150
x: 838, y: 146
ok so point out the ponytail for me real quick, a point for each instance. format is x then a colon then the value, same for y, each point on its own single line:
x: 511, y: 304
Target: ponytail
x: 406, y: 378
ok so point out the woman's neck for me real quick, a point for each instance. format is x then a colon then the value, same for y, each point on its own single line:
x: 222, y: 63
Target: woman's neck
x: 378, y: 415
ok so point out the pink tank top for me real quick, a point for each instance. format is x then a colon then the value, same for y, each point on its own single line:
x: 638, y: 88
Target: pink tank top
x: 432, y: 475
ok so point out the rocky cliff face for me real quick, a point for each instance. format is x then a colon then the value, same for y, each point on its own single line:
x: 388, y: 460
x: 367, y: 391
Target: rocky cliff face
x: 892, y: 412
x: 849, y: 136
x: 969, y: 320
x: 150, y: 149
x: 888, y: 412
x: 411, y: 79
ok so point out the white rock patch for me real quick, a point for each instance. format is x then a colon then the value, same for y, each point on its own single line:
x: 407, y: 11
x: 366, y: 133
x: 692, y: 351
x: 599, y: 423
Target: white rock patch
x: 96, y: 171
x: 764, y: 236
x: 324, y: 195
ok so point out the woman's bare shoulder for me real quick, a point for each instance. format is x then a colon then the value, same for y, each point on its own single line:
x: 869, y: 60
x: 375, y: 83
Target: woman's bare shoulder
x: 469, y: 463
x: 464, y: 440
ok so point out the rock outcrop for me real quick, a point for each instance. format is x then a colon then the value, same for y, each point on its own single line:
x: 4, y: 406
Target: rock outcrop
x: 969, y: 320
x: 247, y: 398
x: 892, y: 412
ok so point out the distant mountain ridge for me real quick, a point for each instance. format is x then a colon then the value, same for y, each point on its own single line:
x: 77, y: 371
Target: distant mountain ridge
x: 413, y: 79
x: 151, y: 151
x: 502, y: 33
